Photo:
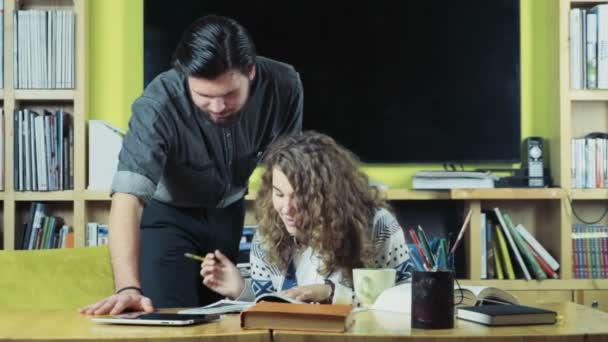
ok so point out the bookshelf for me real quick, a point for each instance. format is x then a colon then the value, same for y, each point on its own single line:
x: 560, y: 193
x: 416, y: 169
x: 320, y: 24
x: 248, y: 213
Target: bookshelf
x: 581, y: 111
x: 67, y: 204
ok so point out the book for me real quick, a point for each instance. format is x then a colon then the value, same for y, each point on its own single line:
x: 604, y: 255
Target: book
x: 537, y: 247
x: 507, y: 268
x: 506, y: 315
x: 318, y: 317
x: 512, y: 244
x: 235, y: 306
x: 399, y: 299
x: 524, y: 249
x: 439, y: 183
x: 454, y: 174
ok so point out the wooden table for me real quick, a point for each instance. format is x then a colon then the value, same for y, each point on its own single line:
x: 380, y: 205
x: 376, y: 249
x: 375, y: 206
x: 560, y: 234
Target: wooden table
x: 71, y: 326
x: 578, y: 323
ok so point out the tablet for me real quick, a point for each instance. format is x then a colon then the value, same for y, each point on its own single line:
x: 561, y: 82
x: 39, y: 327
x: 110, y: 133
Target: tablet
x: 156, y: 319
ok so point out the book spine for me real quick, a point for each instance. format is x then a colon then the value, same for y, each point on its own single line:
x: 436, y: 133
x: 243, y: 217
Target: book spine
x: 490, y: 249
x: 504, y: 254
x: 497, y: 253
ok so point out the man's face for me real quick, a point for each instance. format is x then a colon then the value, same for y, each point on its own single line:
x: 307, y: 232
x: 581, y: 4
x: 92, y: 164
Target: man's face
x: 222, y: 97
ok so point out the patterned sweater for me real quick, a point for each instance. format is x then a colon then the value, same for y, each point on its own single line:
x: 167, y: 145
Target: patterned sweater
x: 390, y: 252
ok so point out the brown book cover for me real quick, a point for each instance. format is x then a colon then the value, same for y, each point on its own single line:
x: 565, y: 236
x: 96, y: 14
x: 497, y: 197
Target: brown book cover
x: 288, y: 316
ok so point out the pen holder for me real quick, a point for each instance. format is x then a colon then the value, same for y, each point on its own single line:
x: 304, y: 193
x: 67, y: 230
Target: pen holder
x: 432, y: 300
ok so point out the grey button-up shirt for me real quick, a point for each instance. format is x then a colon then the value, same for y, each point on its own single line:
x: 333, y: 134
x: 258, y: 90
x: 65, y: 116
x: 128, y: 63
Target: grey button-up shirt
x: 174, y: 154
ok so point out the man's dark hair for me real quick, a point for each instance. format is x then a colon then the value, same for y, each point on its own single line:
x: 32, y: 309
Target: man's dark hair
x: 213, y: 45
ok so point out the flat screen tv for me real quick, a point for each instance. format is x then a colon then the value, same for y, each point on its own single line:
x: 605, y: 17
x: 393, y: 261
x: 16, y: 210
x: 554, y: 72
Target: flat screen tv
x: 394, y: 81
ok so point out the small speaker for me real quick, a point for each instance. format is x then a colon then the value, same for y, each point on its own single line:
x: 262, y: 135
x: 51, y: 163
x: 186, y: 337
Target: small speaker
x: 534, y: 154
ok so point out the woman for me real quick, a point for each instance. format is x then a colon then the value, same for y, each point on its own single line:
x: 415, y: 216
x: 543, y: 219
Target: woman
x: 318, y: 220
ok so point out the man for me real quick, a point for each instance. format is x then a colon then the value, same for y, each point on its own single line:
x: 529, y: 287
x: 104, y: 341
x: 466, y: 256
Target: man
x: 195, y: 136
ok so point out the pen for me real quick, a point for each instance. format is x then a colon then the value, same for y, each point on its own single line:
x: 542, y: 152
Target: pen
x: 194, y: 256
x: 424, y: 243
x: 461, y: 233
x: 427, y: 265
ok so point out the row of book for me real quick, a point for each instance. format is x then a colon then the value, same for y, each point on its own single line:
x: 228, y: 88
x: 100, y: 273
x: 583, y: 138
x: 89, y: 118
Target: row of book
x: 510, y: 251
x: 43, y: 49
x: 590, y: 251
x: 43, y: 231
x: 589, y: 47
x: 44, y: 146
x: 96, y: 234
x: 589, y: 163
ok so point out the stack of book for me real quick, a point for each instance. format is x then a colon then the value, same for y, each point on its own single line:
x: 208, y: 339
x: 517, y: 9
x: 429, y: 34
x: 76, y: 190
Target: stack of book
x: 510, y: 251
x: 438, y: 180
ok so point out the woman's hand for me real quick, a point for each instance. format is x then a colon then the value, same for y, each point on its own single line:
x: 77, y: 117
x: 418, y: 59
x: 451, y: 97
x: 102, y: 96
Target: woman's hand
x: 315, y: 293
x: 221, y: 275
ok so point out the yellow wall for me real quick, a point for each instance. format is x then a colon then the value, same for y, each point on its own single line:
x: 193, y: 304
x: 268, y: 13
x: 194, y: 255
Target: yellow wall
x: 116, y: 71
x: 115, y: 59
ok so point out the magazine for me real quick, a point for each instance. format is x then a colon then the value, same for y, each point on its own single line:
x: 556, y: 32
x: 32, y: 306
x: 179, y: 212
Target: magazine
x: 234, y: 306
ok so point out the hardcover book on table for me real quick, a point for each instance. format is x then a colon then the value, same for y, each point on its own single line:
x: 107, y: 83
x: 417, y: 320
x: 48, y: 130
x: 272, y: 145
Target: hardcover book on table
x: 506, y: 315
x: 308, y: 317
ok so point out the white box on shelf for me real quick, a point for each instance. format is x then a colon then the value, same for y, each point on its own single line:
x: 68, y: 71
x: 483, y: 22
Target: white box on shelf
x: 105, y: 142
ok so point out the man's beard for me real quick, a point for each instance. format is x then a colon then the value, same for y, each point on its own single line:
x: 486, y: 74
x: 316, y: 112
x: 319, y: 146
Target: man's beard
x: 225, y: 121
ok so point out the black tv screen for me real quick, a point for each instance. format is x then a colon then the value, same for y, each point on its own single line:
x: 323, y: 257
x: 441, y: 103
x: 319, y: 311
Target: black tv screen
x: 394, y: 81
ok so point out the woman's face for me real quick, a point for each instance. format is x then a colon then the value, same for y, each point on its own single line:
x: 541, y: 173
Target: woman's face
x: 283, y: 200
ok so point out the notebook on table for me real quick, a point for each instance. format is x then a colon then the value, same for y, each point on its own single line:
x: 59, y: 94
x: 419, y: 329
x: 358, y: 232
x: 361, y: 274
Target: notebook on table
x: 506, y: 315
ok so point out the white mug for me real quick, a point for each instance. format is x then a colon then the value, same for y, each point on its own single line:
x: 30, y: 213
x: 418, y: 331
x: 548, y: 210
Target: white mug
x: 370, y: 282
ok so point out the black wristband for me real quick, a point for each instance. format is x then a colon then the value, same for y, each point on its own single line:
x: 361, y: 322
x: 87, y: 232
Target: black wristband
x: 130, y: 288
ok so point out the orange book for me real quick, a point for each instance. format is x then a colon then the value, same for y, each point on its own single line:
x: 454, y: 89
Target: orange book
x: 69, y: 243
x: 288, y: 316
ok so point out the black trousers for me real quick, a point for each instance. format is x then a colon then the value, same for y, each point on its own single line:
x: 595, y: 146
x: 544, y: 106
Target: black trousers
x: 167, y: 232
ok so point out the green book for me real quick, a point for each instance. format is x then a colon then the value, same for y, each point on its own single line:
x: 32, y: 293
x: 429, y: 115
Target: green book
x: 523, y: 248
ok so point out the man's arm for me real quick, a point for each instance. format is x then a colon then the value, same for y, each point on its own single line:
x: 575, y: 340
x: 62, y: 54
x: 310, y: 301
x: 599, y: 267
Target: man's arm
x: 125, y: 218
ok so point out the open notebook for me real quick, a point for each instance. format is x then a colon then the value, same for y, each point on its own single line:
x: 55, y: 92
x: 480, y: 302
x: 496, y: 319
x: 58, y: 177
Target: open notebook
x: 399, y: 299
x: 234, y: 306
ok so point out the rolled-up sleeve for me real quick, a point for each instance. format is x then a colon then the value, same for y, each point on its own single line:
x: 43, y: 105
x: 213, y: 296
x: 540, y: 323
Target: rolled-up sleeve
x: 144, y: 151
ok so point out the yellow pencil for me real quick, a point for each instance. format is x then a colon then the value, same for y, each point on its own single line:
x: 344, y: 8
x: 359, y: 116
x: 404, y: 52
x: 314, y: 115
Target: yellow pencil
x: 194, y: 256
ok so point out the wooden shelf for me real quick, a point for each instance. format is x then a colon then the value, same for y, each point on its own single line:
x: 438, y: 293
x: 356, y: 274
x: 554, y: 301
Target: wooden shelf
x: 45, y: 94
x: 589, y: 95
x: 407, y: 194
x: 545, y: 285
x: 394, y: 194
x: 97, y: 195
x: 508, y: 193
x: 589, y: 194
x: 44, y: 195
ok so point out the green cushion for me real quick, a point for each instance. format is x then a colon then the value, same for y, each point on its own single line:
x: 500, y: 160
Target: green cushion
x: 50, y: 279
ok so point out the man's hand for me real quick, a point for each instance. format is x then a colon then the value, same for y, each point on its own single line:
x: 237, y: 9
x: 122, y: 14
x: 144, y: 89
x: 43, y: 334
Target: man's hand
x: 315, y: 293
x: 220, y: 275
x: 117, y: 303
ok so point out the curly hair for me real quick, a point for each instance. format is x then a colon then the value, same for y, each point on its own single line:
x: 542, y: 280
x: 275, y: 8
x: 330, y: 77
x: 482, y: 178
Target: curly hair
x: 335, y: 204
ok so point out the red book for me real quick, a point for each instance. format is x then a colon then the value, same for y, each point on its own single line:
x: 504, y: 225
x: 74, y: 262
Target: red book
x: 543, y: 264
